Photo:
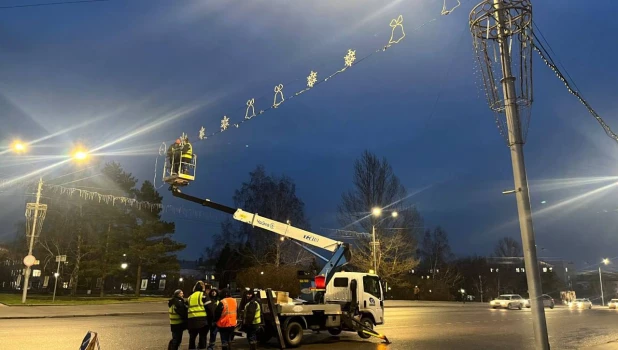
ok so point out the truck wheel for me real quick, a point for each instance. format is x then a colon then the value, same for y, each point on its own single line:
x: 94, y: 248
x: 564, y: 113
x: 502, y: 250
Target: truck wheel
x: 334, y: 331
x: 293, y: 334
x: 368, y: 323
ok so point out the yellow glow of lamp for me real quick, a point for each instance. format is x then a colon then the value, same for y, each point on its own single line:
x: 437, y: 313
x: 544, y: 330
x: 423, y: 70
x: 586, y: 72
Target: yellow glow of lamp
x: 18, y: 146
x: 80, y: 155
x: 376, y: 211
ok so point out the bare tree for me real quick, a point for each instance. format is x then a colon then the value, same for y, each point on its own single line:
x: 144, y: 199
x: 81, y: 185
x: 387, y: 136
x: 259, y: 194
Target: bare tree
x: 435, y: 250
x: 273, y: 197
x: 375, y: 185
x: 508, y: 247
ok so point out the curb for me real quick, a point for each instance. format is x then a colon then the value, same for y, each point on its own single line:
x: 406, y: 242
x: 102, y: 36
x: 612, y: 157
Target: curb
x: 90, y: 315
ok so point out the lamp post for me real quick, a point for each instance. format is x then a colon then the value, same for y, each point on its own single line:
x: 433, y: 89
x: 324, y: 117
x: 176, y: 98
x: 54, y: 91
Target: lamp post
x: 605, y: 261
x: 59, y: 259
x: 374, y: 244
x: 37, y: 206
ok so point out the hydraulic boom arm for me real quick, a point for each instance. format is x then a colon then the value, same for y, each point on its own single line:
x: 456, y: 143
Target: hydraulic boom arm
x: 340, y: 250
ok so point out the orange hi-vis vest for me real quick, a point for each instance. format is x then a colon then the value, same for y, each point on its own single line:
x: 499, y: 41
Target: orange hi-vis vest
x: 228, y: 316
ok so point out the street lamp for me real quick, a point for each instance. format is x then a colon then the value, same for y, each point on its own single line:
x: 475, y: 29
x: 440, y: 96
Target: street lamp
x: 377, y: 211
x: 80, y: 155
x: 18, y: 146
x: 606, y: 262
x: 124, y: 266
x: 180, y: 279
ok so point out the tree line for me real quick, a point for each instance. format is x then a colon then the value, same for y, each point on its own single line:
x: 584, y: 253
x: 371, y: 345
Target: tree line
x: 408, y: 254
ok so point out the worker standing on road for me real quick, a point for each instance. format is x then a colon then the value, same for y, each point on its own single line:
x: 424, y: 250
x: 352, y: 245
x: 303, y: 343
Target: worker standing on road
x: 198, y: 324
x: 178, y: 319
x: 225, y: 314
x: 252, y: 318
x: 211, y: 307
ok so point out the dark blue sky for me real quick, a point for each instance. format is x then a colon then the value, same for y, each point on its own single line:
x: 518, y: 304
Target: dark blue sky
x: 131, y: 63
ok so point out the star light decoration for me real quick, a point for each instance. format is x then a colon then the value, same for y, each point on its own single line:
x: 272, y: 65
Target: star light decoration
x: 312, y: 79
x: 350, y: 58
x: 225, y: 122
x: 202, y: 133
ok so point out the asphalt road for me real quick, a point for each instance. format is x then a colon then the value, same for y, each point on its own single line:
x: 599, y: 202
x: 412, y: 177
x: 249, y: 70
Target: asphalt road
x: 458, y: 327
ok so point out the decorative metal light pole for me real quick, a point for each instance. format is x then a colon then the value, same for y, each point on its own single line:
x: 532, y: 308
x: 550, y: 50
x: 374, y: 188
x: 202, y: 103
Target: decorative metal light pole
x: 502, y: 37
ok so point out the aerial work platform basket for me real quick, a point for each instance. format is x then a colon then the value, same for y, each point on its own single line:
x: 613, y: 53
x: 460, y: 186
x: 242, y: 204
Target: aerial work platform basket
x: 179, y: 170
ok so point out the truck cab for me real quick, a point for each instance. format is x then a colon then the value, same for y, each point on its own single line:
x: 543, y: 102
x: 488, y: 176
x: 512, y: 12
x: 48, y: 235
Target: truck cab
x: 368, y: 299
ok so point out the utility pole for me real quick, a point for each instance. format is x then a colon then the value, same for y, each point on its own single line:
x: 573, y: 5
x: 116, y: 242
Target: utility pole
x: 373, y: 249
x: 481, y: 281
x: 601, y: 280
x: 503, y: 23
x: 32, y: 236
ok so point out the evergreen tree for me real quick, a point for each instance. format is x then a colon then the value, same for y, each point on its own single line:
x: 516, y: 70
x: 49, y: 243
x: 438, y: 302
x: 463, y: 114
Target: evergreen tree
x: 150, y: 245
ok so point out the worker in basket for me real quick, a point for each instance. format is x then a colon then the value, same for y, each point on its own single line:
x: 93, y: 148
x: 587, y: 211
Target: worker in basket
x: 187, y: 155
x: 173, y: 154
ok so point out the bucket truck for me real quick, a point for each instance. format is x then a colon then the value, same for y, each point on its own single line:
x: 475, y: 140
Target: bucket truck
x: 345, y: 301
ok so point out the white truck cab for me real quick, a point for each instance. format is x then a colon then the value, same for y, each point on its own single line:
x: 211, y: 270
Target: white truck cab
x: 369, y: 293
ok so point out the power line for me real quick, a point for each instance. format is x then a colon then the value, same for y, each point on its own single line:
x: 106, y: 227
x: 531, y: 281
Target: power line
x: 51, y: 4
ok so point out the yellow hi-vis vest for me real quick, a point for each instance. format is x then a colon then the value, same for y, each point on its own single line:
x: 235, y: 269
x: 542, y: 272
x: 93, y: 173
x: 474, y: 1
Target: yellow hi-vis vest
x: 189, y: 153
x: 258, y: 314
x: 174, y: 317
x: 196, y: 305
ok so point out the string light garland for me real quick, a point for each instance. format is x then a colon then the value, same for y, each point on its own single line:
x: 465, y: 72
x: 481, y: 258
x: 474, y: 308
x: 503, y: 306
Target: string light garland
x: 124, y: 201
x: 349, y: 60
x: 540, y: 49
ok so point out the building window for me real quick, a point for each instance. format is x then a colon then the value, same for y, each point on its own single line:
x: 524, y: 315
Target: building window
x: 545, y: 269
x: 36, y: 273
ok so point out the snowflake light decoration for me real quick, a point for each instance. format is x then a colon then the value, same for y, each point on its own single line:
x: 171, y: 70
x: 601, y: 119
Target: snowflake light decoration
x: 312, y: 79
x: 225, y: 123
x: 350, y: 58
x: 202, y: 133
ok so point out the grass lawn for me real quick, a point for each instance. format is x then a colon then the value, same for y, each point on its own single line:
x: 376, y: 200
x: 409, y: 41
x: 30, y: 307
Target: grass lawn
x: 34, y: 299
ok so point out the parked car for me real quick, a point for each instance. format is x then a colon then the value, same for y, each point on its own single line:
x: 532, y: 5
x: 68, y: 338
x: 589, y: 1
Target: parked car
x: 581, y: 303
x: 508, y: 301
x: 613, y: 303
x: 547, y: 302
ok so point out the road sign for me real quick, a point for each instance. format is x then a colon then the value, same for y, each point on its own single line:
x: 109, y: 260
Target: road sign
x: 61, y: 258
x: 29, y: 260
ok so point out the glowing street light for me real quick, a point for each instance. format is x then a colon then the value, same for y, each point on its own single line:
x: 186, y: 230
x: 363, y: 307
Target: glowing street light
x: 376, y: 211
x: 80, y: 155
x: 124, y: 266
x: 394, y: 214
x: 606, y: 261
x: 18, y: 146
x: 180, y: 279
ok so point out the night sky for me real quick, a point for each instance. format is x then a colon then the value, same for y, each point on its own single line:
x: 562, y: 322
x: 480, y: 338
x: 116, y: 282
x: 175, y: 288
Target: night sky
x: 126, y: 65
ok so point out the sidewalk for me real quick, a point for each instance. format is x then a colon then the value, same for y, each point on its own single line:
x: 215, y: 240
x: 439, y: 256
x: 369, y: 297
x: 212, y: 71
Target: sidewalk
x: 46, y: 311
